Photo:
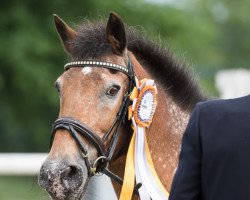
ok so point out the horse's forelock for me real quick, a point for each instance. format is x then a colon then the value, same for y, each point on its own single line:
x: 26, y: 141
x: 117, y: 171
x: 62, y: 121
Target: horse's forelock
x: 90, y: 41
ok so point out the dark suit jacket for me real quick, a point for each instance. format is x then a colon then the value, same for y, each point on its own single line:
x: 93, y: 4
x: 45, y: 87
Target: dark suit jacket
x: 215, y: 155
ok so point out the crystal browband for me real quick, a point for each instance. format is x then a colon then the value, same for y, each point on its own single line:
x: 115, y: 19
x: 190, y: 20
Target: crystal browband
x: 97, y: 64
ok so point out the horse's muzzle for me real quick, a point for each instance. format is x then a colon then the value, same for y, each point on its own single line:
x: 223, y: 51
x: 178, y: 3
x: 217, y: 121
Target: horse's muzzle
x: 63, y: 180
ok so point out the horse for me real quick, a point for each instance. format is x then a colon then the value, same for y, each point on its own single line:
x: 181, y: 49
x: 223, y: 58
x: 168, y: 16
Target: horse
x: 92, y: 133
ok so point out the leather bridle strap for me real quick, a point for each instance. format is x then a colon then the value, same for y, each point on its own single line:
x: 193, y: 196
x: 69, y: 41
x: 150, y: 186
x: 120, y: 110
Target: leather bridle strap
x: 74, y: 127
x: 77, y: 126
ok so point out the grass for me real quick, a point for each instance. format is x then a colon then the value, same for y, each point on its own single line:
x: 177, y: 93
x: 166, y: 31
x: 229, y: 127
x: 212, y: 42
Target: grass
x: 21, y: 188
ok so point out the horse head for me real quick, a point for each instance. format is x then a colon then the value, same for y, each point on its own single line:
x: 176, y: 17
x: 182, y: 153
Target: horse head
x: 93, y: 99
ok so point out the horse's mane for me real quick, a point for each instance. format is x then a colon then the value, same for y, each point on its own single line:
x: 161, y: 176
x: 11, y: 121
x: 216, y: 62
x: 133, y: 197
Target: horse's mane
x: 174, y: 76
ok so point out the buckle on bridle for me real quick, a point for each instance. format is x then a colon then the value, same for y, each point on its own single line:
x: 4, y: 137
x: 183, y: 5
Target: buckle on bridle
x: 94, y: 168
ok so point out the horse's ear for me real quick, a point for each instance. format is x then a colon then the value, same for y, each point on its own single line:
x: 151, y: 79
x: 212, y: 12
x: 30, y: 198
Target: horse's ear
x: 66, y: 33
x: 116, y: 33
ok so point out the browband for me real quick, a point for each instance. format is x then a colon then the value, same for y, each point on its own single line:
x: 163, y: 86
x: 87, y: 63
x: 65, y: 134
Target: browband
x: 108, y: 65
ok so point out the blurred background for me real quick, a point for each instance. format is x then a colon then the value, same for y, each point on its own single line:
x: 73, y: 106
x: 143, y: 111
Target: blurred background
x: 211, y: 35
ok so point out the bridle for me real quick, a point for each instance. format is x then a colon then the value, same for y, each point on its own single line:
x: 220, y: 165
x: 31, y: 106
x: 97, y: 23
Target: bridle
x: 74, y: 127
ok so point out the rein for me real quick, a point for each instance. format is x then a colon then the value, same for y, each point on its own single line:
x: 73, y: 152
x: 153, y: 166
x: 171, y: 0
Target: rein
x: 74, y: 127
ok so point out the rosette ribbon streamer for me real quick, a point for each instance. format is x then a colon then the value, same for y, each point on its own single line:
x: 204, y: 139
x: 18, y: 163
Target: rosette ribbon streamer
x: 139, y: 166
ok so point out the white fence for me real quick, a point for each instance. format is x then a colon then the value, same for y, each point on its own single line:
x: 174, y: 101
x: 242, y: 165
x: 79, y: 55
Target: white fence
x: 21, y: 163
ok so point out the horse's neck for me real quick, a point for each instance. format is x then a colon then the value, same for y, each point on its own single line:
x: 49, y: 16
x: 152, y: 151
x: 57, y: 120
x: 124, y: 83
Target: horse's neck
x: 164, y: 136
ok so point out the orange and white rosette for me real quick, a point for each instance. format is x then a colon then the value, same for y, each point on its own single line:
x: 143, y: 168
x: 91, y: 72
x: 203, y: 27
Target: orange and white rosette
x: 139, y: 166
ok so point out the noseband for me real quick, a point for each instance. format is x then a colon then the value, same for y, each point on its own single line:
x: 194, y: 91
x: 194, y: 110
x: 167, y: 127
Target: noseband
x: 76, y: 128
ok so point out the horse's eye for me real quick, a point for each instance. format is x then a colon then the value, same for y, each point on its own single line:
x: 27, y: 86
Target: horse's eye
x: 113, y: 90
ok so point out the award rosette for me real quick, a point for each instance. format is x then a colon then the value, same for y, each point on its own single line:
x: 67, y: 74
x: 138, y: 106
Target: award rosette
x: 139, y: 167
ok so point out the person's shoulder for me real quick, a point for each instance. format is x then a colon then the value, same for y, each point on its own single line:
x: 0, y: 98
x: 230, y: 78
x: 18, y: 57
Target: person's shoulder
x: 224, y: 105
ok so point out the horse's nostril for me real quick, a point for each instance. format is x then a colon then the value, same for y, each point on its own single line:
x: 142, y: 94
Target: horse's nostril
x: 62, y: 179
x: 66, y: 172
x: 70, y: 172
x: 72, y: 177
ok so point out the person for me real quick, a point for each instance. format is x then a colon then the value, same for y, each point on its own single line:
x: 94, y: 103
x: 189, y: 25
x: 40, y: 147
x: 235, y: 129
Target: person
x: 214, y: 162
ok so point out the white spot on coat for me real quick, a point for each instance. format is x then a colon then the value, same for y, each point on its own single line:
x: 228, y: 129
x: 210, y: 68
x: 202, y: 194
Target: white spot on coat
x: 86, y: 70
